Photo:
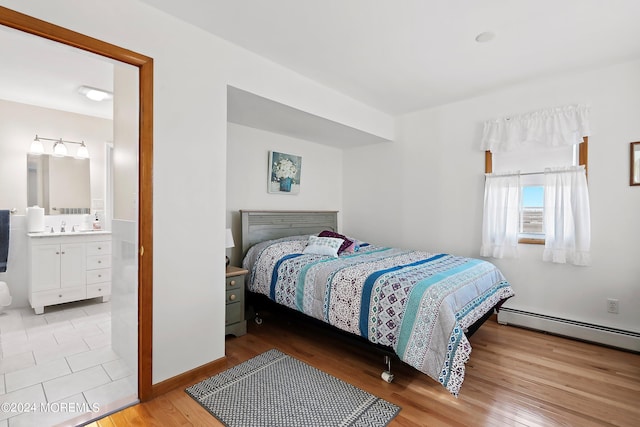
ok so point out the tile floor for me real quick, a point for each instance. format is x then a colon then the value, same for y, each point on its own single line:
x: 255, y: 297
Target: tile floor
x: 58, y: 368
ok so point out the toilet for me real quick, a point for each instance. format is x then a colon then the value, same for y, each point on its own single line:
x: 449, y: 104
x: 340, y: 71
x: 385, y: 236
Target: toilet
x: 5, y: 296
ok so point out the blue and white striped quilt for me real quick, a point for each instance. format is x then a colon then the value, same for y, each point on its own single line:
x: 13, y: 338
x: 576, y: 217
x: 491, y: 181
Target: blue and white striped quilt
x: 415, y: 302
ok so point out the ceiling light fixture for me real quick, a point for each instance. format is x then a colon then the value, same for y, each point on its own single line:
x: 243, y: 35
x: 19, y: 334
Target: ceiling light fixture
x: 59, y: 147
x: 485, y: 37
x: 95, y: 94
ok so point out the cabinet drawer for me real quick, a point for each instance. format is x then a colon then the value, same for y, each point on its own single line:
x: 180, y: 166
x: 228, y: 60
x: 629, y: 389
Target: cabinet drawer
x: 235, y: 282
x: 234, y: 313
x: 98, y: 290
x: 98, y: 261
x: 98, y: 276
x: 98, y: 248
x: 58, y: 296
x: 234, y: 296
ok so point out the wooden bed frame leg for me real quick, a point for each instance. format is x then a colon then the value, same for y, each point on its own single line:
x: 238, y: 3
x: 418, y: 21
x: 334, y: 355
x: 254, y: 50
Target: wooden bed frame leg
x: 387, y: 375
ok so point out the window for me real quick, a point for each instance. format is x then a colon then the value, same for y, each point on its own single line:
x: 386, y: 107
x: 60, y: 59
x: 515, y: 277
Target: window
x: 532, y: 163
x: 531, y: 213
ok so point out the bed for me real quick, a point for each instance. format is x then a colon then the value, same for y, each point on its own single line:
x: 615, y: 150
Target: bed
x: 419, y: 304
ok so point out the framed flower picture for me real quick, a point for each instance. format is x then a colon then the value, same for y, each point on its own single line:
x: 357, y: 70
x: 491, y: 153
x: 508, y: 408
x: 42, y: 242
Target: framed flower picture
x: 284, y: 173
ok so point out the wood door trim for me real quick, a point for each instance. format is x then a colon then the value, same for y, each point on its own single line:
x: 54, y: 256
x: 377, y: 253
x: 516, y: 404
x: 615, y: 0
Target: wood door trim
x: 37, y: 27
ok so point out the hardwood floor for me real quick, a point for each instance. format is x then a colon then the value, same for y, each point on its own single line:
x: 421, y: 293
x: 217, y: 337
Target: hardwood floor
x: 515, y: 377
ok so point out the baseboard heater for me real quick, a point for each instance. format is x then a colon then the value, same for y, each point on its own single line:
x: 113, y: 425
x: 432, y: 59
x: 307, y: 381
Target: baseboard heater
x: 569, y: 328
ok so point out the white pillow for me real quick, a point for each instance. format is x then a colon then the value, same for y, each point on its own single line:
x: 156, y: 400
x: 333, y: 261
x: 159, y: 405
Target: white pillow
x: 323, y: 246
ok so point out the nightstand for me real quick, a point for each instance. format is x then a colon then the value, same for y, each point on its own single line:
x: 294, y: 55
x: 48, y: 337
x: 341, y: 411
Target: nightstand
x: 235, y: 322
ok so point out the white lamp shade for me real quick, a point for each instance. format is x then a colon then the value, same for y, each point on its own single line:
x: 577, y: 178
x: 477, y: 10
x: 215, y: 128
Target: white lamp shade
x: 82, y: 152
x: 229, y: 239
x: 59, y: 149
x: 36, y: 147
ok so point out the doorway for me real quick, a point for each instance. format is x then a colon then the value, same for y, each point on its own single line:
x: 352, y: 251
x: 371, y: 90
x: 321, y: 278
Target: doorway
x: 142, y: 250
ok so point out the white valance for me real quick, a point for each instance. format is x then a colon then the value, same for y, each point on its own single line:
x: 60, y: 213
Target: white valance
x: 553, y: 127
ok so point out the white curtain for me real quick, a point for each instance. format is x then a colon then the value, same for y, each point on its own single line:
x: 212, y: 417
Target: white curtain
x: 566, y: 216
x: 501, y: 216
x: 552, y: 127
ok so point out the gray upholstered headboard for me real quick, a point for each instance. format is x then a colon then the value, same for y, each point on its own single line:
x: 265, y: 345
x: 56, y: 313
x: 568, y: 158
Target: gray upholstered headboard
x: 258, y: 226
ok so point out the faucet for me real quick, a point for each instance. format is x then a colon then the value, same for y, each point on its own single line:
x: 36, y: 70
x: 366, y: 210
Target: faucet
x: 62, y: 224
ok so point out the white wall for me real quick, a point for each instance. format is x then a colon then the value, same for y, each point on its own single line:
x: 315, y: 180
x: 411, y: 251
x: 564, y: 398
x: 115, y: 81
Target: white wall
x: 191, y: 72
x: 247, y: 173
x: 432, y: 178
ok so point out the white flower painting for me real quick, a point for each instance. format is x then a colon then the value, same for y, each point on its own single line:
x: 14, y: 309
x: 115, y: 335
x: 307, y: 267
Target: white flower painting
x: 284, y: 173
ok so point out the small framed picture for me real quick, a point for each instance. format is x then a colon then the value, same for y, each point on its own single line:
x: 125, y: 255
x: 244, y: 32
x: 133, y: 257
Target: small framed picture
x: 284, y: 173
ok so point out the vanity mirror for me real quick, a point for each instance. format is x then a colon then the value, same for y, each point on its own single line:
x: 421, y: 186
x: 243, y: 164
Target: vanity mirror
x: 61, y: 185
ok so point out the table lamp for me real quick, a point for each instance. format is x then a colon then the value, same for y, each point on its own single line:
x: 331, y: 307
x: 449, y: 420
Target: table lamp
x: 229, y: 243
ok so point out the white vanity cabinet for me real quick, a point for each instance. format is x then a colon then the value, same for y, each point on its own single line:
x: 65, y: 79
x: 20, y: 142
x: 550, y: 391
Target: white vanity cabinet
x: 57, y: 265
x: 68, y: 267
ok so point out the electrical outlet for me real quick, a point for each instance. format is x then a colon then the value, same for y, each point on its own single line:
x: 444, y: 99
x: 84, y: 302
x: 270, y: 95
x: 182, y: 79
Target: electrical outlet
x: 613, y: 306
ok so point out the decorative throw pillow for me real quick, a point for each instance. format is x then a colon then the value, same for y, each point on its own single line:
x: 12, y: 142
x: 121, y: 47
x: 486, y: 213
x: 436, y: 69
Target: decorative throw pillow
x: 350, y: 249
x: 346, y: 242
x: 323, y: 246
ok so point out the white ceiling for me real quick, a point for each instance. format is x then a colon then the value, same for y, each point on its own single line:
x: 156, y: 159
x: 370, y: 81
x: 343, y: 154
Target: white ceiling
x: 397, y: 56
x: 403, y: 55
x: 47, y: 74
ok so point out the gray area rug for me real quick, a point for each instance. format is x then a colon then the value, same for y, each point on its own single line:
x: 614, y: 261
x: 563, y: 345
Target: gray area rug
x: 274, y: 390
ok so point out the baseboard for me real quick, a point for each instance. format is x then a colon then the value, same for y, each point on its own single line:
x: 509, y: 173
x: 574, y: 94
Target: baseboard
x: 188, y: 378
x: 579, y: 330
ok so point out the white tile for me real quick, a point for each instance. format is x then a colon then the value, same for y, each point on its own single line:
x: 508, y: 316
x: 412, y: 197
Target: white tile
x: 15, y: 346
x: 58, y: 351
x: 53, y: 413
x: 117, y: 369
x: 77, y: 333
x: 88, y: 359
x: 33, y: 322
x: 36, y: 374
x: 48, y: 329
x: 16, y: 362
x: 10, y: 323
x: 32, y: 396
x: 4, y: 423
x: 105, y: 326
x: 97, y: 341
x: 92, y: 319
x: 14, y: 336
x: 111, y: 392
x: 98, y: 307
x: 2, y: 390
x: 64, y: 315
x: 77, y: 382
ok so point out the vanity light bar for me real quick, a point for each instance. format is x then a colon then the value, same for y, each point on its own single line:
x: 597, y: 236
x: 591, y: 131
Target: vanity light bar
x: 59, y: 149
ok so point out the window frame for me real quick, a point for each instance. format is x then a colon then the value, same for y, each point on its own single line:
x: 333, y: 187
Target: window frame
x: 583, y: 160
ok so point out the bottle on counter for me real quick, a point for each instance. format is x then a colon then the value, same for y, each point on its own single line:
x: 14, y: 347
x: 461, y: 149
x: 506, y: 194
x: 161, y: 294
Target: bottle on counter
x: 96, y: 223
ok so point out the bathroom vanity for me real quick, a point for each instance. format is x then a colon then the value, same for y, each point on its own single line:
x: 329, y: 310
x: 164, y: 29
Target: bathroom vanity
x: 65, y: 267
